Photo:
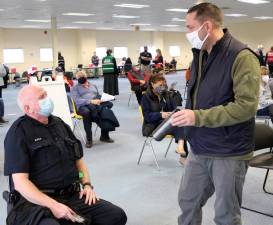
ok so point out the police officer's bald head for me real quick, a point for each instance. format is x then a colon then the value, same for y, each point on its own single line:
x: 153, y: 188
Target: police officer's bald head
x: 28, y: 98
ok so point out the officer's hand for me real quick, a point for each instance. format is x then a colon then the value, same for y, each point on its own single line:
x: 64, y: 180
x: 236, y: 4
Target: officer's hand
x: 90, y: 195
x: 184, y: 117
x: 61, y: 211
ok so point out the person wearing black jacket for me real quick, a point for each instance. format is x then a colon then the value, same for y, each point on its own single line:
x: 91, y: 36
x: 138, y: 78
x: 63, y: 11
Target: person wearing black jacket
x: 61, y: 61
x: 157, y: 105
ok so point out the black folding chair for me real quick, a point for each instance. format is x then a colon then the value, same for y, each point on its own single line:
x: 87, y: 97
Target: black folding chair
x: 263, y: 140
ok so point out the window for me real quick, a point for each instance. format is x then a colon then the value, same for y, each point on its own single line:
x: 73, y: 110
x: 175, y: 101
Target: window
x: 120, y: 52
x: 174, y: 51
x: 15, y: 55
x: 101, y: 52
x: 151, y: 49
x: 46, y: 55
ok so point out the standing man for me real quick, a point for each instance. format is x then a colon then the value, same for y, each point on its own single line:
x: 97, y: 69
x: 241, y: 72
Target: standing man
x: 219, y: 118
x: 95, y: 61
x: 61, y: 61
x: 110, y: 74
x: 269, y: 61
x: 145, y: 59
x: 3, y: 74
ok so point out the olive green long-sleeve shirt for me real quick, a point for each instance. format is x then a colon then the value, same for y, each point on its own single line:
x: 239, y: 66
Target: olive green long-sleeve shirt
x: 246, y: 78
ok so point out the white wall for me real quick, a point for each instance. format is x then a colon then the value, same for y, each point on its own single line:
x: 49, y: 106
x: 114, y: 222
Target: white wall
x: 77, y: 46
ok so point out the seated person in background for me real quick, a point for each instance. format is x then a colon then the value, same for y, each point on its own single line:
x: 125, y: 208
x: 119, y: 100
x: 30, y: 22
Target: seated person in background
x: 265, y: 107
x: 173, y: 64
x: 128, y: 65
x: 139, y: 82
x: 68, y: 81
x: 158, y: 61
x: 49, y: 179
x: 89, y: 105
x: 121, y: 65
x: 157, y: 106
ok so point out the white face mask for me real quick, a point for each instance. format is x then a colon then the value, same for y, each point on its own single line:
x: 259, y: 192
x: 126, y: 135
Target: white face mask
x: 194, y: 39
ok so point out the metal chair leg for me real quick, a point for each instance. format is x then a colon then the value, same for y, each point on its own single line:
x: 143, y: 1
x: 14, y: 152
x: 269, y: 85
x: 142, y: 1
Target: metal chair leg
x: 129, y: 99
x: 255, y: 211
x: 169, y: 145
x: 81, y: 132
x: 142, y: 150
x: 155, y: 158
x: 264, y: 184
x: 96, y: 131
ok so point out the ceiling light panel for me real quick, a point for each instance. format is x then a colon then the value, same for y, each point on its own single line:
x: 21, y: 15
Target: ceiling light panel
x: 125, y: 16
x: 235, y: 15
x: 78, y: 14
x: 134, y: 6
x: 177, y: 10
x: 169, y: 25
x: 84, y: 22
x: 140, y: 24
x: 254, y: 1
x: 263, y: 17
x: 178, y: 20
x: 38, y: 21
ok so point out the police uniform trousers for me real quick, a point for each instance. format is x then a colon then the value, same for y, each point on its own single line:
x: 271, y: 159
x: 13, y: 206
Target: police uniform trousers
x: 110, y: 85
x: 101, y: 213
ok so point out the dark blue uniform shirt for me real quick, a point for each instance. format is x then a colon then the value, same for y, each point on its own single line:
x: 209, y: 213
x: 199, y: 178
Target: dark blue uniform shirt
x: 48, y: 153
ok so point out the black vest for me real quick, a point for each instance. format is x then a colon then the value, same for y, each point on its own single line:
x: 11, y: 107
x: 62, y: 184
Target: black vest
x: 216, y: 88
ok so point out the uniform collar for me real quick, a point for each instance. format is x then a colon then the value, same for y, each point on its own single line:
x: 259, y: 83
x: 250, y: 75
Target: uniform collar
x: 35, y: 122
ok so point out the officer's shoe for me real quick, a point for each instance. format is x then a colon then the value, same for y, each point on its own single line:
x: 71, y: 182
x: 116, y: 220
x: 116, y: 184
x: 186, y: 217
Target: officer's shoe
x: 2, y: 121
x: 106, y: 139
x: 88, y: 144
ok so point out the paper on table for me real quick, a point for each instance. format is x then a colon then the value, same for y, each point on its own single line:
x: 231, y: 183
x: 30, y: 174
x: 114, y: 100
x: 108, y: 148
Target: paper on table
x: 106, y: 97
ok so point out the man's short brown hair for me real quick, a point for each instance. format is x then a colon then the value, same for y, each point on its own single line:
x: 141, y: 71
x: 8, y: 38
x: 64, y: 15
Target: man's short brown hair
x: 206, y: 11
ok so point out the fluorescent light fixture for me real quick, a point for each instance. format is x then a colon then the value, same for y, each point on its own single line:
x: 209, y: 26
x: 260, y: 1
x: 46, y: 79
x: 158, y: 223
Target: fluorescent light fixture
x: 68, y: 27
x: 1, y: 10
x: 263, y: 17
x: 84, y: 22
x: 124, y: 16
x: 38, y: 21
x: 135, y: 6
x: 104, y: 28
x: 178, y: 20
x: 169, y: 25
x: 78, y: 14
x: 177, y: 10
x: 140, y: 24
x: 235, y: 15
x: 254, y: 1
x: 30, y: 26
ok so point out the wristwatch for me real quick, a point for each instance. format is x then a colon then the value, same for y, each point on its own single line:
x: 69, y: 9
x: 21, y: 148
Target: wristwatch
x: 87, y: 184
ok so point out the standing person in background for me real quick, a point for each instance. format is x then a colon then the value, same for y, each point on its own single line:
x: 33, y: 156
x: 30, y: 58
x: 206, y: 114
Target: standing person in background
x: 145, y: 59
x: 260, y: 55
x: 61, y: 62
x: 158, y: 61
x: 173, y: 64
x: 219, y: 118
x: 3, y: 73
x: 110, y: 71
x: 95, y: 61
x: 269, y: 61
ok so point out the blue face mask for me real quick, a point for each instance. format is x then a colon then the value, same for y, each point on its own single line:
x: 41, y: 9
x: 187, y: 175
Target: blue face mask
x: 46, y: 107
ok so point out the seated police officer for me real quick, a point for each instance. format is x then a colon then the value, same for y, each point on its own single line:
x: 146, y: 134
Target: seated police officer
x: 48, y: 176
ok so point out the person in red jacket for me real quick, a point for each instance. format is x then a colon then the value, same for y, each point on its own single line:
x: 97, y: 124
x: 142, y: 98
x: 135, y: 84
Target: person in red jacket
x: 269, y: 61
x: 139, y: 82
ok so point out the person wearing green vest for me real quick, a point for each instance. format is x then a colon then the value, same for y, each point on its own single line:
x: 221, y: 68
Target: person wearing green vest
x: 110, y: 74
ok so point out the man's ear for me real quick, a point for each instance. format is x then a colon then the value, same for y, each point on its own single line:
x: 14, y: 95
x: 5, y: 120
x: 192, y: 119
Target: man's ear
x: 209, y: 26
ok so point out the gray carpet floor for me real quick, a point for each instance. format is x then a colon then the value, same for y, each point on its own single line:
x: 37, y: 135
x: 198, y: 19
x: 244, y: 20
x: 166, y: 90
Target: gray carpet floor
x: 148, y: 195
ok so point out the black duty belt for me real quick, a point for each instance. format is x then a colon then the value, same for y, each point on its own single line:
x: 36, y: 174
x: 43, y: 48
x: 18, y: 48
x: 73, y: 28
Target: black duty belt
x: 71, y: 189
